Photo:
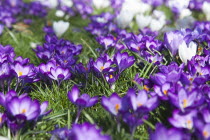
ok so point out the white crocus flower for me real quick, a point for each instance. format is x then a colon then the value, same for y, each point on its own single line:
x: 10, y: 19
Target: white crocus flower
x: 143, y: 21
x: 185, y: 13
x: 158, y: 21
x: 98, y: 4
x: 33, y: 45
x: 156, y: 25
x: 67, y: 3
x: 124, y: 18
x: 59, y: 13
x: 187, y: 52
x: 179, y: 5
x: 135, y: 6
x: 60, y: 27
x: 206, y: 9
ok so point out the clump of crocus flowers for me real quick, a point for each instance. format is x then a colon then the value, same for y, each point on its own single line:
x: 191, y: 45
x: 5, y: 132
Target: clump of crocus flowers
x: 21, y: 112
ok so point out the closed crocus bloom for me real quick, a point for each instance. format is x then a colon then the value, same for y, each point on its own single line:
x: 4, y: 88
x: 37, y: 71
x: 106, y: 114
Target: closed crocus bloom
x: 124, y: 18
x: 81, y: 101
x: 60, y: 27
x: 101, y: 3
x: 156, y: 24
x: 143, y: 21
x: 123, y: 61
x: 187, y: 52
x: 172, y: 41
x: 206, y: 9
x: 59, y: 13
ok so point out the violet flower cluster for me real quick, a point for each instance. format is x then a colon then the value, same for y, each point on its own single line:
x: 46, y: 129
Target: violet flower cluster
x: 11, y: 9
x: 21, y: 111
x: 173, y: 70
x: 133, y: 108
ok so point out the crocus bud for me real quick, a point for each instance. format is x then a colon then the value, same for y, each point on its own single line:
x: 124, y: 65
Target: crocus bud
x: 60, y: 27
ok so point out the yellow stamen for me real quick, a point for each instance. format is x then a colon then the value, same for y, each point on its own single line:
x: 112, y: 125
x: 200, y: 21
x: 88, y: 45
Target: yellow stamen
x: 23, y: 111
x: 189, y: 122
x: 165, y: 92
x: 139, y: 104
x: 205, y: 134
x: 20, y: 73
x: 110, y: 76
x: 185, y: 103
x: 117, y: 107
x: 0, y: 119
x: 146, y: 88
x: 138, y: 48
x: 102, y: 68
x: 65, y: 61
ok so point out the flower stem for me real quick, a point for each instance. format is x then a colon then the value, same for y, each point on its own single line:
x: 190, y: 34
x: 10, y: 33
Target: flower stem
x: 132, y: 132
x: 78, y: 115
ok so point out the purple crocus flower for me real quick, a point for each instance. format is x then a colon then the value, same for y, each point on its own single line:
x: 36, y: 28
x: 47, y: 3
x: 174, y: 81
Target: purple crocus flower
x: 21, y: 71
x: 172, y: 40
x: 23, y: 106
x: 43, y: 108
x: 2, y: 119
x: 4, y: 98
x: 142, y: 101
x: 123, y: 61
x: 185, y: 99
x: 60, y: 133
x: 102, y: 65
x: 107, y: 41
x: 162, y: 91
x: 87, y: 131
x: 44, y: 69
x: 162, y: 133
x: 112, y: 104
x: 1, y: 28
x: 180, y: 120
x: 21, y: 60
x: 83, y: 101
x: 59, y: 74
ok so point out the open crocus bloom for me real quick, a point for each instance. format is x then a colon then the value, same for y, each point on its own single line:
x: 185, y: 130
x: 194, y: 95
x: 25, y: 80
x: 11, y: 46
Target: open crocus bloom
x: 187, y: 52
x: 24, y: 106
x: 22, y: 71
x: 112, y: 104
